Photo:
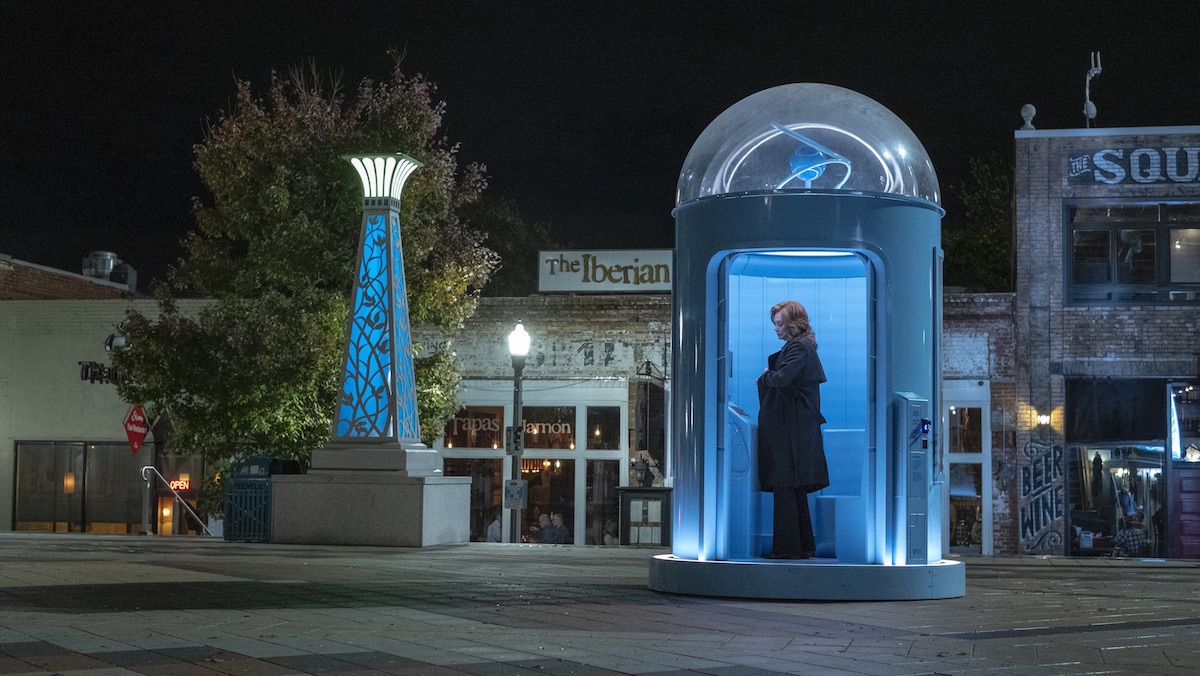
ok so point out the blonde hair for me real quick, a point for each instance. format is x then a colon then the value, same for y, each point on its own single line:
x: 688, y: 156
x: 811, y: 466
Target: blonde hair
x: 795, y: 321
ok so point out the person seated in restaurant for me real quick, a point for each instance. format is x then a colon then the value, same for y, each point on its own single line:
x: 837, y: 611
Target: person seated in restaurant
x: 554, y: 533
x: 542, y: 531
x: 610, y: 533
x: 1131, y: 541
x: 493, y: 530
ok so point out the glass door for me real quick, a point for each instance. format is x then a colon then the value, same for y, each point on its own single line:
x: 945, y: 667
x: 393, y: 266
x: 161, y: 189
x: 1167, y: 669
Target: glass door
x: 967, y: 445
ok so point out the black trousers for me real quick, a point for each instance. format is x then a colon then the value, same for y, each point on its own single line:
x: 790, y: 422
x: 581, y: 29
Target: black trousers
x: 793, y: 525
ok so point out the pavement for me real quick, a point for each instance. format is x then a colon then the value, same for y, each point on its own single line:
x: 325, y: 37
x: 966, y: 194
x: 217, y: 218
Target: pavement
x: 105, y: 605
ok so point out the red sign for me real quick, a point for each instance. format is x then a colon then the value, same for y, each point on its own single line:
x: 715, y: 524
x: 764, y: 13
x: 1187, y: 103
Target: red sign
x: 180, y: 485
x: 136, y: 427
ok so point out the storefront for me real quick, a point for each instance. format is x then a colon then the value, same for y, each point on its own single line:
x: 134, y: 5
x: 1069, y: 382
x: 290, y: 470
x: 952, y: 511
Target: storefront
x: 576, y: 454
x: 66, y: 464
x: 594, y: 398
x: 1107, y: 311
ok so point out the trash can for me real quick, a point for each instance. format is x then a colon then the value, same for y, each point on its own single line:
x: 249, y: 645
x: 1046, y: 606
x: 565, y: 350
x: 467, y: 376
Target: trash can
x: 248, y: 498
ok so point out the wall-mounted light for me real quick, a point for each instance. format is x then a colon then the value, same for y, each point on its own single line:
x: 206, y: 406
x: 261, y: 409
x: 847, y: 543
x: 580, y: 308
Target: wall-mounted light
x: 1043, y: 419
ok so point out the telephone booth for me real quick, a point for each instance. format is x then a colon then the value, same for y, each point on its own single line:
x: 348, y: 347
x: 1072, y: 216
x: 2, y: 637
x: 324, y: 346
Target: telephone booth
x: 814, y: 193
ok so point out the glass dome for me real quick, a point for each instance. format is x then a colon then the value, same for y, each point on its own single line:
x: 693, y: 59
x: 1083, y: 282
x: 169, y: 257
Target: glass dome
x: 807, y: 136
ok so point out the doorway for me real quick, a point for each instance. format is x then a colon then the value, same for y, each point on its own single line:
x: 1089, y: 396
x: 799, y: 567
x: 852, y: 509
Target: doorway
x: 967, y: 458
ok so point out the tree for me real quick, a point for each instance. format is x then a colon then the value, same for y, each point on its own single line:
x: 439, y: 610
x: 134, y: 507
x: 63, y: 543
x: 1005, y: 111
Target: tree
x: 516, y: 240
x: 256, y: 371
x: 978, y: 236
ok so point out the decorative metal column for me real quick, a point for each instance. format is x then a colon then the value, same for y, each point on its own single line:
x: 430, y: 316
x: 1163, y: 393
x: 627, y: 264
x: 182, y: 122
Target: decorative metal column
x: 377, y: 402
x: 374, y: 483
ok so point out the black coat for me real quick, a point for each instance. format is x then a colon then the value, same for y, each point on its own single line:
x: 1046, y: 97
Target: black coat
x: 791, y: 451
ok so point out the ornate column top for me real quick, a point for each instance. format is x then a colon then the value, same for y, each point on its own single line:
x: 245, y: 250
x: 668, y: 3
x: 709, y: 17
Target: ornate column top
x: 383, y: 175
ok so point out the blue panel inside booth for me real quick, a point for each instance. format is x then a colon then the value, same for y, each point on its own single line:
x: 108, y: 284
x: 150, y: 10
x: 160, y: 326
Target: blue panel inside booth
x: 834, y: 288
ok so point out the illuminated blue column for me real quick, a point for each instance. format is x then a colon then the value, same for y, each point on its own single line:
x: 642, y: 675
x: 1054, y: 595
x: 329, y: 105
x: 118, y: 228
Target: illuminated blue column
x: 377, y: 403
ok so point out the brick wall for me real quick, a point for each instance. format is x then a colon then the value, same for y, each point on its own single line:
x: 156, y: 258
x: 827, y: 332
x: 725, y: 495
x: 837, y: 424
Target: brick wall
x: 25, y: 281
x: 979, y: 341
x: 574, y: 336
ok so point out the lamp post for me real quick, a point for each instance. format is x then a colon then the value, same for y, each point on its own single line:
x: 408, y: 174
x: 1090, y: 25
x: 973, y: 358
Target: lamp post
x: 518, y: 347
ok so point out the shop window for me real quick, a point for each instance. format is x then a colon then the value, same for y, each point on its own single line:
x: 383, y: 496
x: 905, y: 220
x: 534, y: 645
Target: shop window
x: 966, y: 507
x: 1132, y: 253
x: 603, y: 516
x: 113, y: 499
x: 604, y: 428
x: 87, y: 487
x: 487, y: 488
x: 1115, y: 433
x: 50, y: 487
x: 475, y: 427
x: 549, y: 427
x: 551, y: 484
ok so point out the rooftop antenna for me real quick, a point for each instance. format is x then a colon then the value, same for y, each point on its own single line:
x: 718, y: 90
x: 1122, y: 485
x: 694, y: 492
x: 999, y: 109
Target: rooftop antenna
x: 1089, y: 108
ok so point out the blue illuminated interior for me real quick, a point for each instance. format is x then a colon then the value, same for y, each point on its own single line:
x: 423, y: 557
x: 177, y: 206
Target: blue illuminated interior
x: 834, y: 288
x: 378, y: 394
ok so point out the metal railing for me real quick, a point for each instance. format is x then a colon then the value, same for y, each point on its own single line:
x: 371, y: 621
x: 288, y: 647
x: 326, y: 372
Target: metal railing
x: 148, y: 498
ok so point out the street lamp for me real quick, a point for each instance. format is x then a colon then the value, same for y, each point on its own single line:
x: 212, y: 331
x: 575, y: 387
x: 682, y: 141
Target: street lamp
x: 518, y: 347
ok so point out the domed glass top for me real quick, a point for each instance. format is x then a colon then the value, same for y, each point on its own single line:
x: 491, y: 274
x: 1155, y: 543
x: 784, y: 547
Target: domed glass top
x: 807, y: 136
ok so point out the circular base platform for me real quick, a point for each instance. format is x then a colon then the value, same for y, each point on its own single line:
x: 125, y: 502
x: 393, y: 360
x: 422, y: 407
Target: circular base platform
x: 808, y: 579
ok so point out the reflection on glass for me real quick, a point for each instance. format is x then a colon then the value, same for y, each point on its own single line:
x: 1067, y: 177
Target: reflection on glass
x: 603, y: 517
x: 487, y: 487
x: 1090, y: 257
x: 549, y: 426
x: 1135, y: 257
x: 551, y: 484
x: 603, y: 424
x: 965, y: 429
x: 1184, y: 256
x: 966, y: 507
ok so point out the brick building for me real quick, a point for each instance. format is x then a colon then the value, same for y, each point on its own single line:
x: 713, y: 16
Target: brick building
x: 20, y: 280
x: 1107, y: 314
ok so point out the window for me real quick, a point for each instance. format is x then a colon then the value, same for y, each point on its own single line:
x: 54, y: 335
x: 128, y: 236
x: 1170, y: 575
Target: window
x: 476, y: 427
x: 1127, y: 253
x: 549, y: 426
x: 966, y: 430
x: 550, y: 518
x: 67, y: 487
x: 1184, y: 255
x: 603, y: 427
x: 486, y: 485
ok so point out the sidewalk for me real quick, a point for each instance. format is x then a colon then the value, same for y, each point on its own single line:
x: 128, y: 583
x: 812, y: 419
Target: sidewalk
x: 135, y: 605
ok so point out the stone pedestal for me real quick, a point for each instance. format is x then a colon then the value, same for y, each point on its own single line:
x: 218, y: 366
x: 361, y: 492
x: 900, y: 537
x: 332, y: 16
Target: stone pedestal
x: 384, y: 509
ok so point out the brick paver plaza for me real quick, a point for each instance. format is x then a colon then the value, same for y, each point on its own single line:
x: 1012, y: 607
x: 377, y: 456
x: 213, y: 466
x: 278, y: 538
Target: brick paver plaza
x: 136, y: 605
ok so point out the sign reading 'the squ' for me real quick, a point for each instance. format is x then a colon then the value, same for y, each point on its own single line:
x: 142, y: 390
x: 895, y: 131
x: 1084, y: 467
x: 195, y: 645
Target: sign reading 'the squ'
x: 608, y: 271
x: 1112, y: 166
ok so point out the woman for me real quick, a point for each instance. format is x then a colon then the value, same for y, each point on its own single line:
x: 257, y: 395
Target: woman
x: 791, y: 452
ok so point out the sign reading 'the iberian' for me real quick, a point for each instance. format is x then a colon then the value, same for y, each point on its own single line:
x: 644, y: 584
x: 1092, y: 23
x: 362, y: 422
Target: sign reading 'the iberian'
x: 609, y: 271
x: 1112, y: 166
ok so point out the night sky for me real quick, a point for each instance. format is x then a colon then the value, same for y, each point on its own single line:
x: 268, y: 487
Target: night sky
x: 582, y: 112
